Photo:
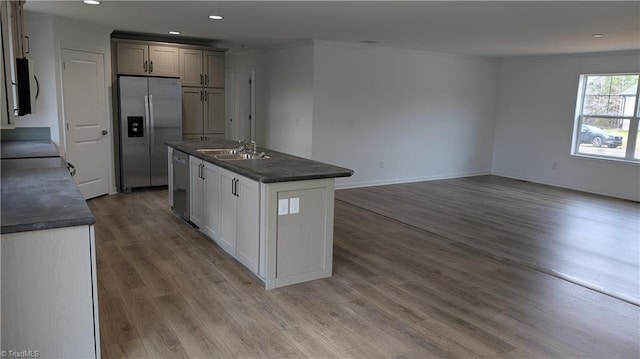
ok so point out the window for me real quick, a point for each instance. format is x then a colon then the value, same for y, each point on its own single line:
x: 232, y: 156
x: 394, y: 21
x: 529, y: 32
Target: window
x: 607, y: 117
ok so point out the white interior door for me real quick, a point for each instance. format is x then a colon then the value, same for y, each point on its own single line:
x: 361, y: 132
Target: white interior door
x: 240, y: 103
x: 86, y: 120
x: 245, y: 99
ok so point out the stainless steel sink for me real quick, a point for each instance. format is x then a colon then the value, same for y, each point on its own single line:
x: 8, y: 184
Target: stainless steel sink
x: 241, y: 156
x: 219, y: 151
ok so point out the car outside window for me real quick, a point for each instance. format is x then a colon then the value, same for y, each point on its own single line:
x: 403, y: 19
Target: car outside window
x: 607, y: 116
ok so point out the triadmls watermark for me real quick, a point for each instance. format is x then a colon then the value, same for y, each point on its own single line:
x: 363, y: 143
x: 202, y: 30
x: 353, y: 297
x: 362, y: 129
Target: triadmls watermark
x: 20, y: 353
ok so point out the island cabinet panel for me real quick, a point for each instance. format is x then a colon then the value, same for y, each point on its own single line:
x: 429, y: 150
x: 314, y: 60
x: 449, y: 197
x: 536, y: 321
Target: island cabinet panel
x: 196, y: 191
x: 296, y: 231
x: 49, y: 292
x: 205, y: 196
x: 228, y: 223
x: 240, y: 219
x: 248, y: 222
x: 211, y: 197
x: 301, y: 232
x: 170, y: 171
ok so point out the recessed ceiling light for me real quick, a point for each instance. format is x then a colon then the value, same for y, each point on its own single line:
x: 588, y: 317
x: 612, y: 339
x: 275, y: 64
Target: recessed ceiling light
x: 215, y: 17
x: 597, y: 35
x: 174, y: 32
x: 91, y: 2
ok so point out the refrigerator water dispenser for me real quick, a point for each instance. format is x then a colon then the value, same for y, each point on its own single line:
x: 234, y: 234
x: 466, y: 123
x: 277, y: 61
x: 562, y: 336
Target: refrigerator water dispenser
x: 135, y: 127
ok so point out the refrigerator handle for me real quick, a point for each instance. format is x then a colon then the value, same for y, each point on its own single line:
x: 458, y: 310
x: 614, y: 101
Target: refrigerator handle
x: 147, y: 115
x: 152, y: 129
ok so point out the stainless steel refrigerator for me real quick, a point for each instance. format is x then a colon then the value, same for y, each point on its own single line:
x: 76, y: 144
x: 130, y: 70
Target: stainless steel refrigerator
x: 150, y: 114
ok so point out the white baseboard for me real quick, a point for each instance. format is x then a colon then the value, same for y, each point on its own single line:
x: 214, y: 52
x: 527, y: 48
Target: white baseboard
x: 566, y: 186
x: 408, y: 180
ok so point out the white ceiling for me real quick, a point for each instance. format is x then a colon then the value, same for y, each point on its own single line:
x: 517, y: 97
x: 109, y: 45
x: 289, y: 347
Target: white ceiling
x: 498, y: 29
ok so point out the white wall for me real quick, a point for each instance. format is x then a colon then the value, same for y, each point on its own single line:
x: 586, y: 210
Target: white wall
x: 39, y: 28
x: 289, y: 99
x: 426, y: 115
x: 534, y: 124
x: 81, y: 36
x: 48, y: 36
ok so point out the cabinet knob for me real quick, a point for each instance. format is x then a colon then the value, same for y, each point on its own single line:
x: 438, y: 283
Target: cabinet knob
x: 104, y: 132
x: 144, y: 65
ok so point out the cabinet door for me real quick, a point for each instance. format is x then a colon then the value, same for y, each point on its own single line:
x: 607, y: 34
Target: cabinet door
x: 132, y: 59
x: 170, y: 167
x: 227, y: 235
x: 214, y: 111
x: 213, y: 69
x: 248, y: 221
x: 191, y: 67
x: 192, y: 110
x: 211, y: 219
x: 48, y: 291
x: 196, y: 191
x: 164, y: 61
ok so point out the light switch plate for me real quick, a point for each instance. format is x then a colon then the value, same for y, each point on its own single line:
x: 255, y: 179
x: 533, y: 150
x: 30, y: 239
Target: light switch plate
x: 294, y: 205
x: 283, y: 207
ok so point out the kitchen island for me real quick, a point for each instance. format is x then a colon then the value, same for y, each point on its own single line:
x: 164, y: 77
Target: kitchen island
x: 273, y: 214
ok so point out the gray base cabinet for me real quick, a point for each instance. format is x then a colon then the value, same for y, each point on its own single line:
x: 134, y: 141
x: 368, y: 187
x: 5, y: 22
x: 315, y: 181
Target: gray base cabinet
x: 225, y: 206
x: 205, y: 196
x: 240, y: 202
x: 49, y: 293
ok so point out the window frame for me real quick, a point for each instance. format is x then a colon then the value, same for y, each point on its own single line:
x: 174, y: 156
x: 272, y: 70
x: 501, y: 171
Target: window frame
x: 634, y: 121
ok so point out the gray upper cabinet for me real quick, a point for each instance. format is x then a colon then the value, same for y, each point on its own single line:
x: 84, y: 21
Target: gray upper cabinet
x: 143, y: 59
x: 202, y: 113
x: 202, y: 68
x: 202, y: 76
x: 213, y: 69
x: 191, y: 68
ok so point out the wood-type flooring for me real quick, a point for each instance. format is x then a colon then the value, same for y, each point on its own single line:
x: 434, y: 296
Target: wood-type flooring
x: 397, y: 291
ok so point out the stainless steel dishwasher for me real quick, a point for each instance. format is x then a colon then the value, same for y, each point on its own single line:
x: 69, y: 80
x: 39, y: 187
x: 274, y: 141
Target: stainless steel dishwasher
x: 181, y: 184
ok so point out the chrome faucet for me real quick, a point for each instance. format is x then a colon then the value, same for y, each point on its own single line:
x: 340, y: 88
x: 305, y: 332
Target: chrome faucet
x: 250, y: 146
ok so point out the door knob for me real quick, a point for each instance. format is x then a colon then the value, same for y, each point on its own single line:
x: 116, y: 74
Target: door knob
x: 104, y: 132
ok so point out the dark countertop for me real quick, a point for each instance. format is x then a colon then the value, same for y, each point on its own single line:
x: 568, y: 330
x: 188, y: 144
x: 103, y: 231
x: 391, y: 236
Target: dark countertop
x: 40, y: 198
x: 27, y: 149
x: 280, y: 167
